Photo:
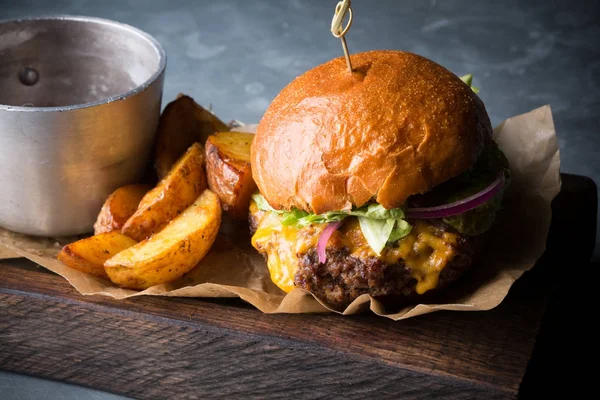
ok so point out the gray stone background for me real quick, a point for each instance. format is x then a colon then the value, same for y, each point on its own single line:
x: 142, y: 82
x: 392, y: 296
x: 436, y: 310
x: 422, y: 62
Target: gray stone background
x: 237, y: 54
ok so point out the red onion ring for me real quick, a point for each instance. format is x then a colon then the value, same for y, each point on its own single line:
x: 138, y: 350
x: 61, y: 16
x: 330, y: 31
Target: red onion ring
x: 324, y: 238
x: 460, y: 206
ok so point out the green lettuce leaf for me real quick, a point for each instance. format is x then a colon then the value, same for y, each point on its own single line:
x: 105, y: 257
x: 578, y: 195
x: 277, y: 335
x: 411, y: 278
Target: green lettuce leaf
x: 401, y: 229
x: 262, y: 204
x: 376, y: 231
x: 379, y: 232
x: 468, y: 79
x: 379, y: 225
x: 377, y: 211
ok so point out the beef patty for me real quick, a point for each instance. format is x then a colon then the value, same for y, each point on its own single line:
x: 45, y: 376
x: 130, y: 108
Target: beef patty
x: 428, y: 259
x: 343, y: 277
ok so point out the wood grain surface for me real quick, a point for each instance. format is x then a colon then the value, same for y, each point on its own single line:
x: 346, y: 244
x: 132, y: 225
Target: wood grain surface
x: 152, y: 347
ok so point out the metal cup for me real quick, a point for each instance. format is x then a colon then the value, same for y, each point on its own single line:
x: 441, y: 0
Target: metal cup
x: 80, y: 102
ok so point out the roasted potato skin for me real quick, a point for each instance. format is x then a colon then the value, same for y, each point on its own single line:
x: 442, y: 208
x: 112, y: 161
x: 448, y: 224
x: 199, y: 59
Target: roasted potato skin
x: 229, y: 172
x: 184, y: 183
x: 119, y: 207
x: 182, y: 123
x: 173, y: 251
x: 89, y: 255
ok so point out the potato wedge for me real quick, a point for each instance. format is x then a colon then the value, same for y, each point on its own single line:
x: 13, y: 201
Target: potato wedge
x: 89, y: 254
x: 119, y: 207
x: 182, y: 123
x: 184, y: 183
x: 172, y: 252
x: 228, y: 171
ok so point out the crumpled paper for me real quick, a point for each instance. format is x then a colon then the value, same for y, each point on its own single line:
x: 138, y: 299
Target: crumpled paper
x: 234, y: 269
x: 7, y: 253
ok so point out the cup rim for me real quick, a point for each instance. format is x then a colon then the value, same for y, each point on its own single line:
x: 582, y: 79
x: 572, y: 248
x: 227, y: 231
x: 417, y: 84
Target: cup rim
x: 162, y: 62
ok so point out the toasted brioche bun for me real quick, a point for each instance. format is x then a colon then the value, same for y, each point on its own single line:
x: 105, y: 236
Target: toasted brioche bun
x: 398, y: 125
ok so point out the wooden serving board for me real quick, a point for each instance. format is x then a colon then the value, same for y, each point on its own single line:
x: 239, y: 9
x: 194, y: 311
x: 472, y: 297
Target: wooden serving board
x: 153, y: 347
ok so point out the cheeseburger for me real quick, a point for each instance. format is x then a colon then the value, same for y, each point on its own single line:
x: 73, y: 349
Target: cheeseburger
x: 382, y: 181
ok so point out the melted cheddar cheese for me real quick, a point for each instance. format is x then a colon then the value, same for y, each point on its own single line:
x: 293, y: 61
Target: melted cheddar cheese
x: 425, y: 251
x: 283, y: 245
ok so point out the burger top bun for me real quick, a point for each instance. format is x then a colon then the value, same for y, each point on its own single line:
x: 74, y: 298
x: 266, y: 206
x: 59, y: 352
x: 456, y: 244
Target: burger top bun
x: 398, y: 125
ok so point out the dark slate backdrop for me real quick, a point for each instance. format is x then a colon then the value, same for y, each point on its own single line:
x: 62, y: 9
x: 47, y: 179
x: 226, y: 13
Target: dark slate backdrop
x: 237, y: 55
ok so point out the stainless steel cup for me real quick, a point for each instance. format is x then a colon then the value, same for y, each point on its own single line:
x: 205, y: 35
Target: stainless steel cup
x: 79, y: 106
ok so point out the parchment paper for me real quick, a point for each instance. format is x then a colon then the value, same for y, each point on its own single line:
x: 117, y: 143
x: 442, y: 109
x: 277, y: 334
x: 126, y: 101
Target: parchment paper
x: 7, y: 253
x: 234, y: 269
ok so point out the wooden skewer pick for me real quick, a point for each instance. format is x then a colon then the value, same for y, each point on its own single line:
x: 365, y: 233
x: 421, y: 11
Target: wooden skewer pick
x: 337, y: 29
